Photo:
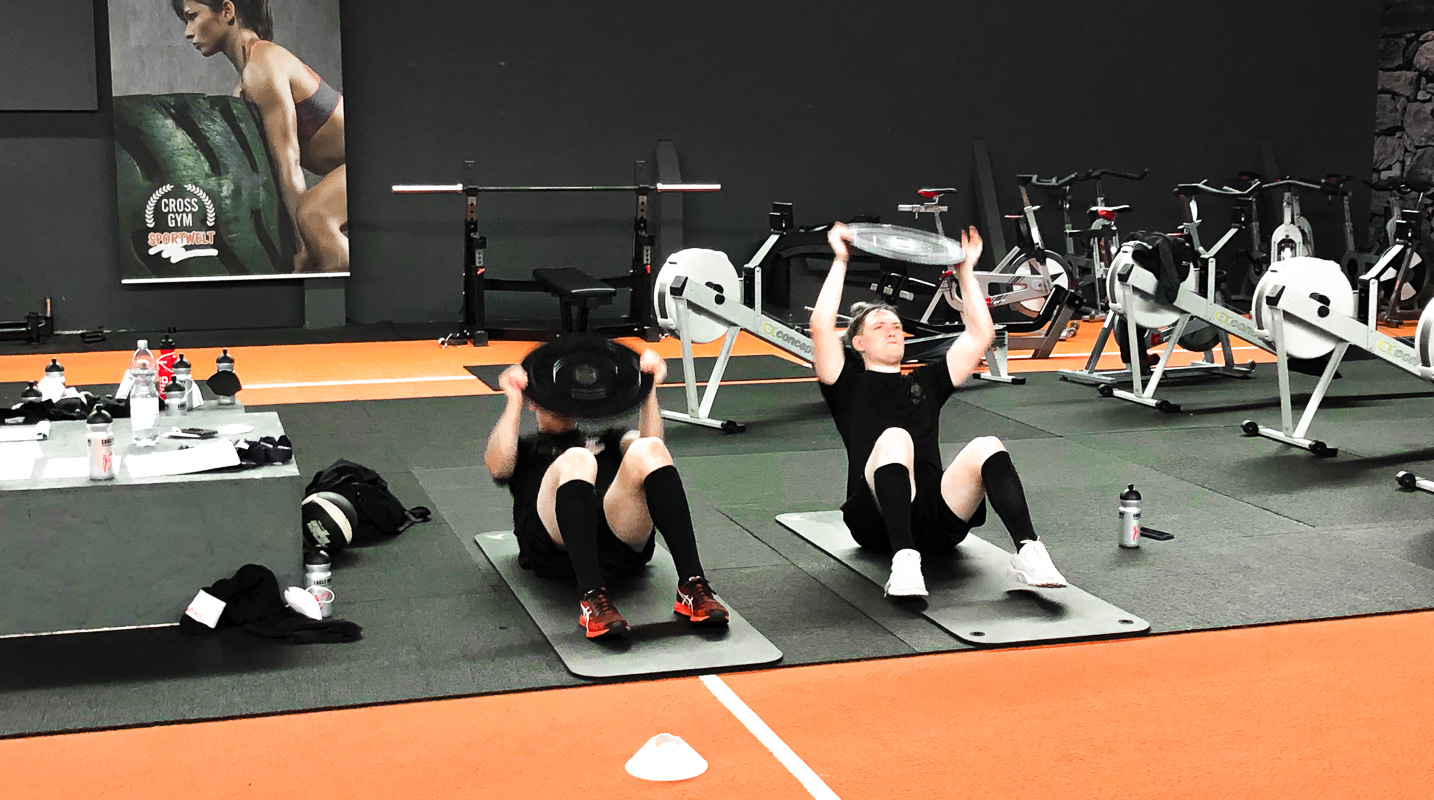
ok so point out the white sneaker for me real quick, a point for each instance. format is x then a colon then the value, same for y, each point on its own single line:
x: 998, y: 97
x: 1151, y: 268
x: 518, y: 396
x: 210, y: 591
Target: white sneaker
x: 906, y: 580
x: 1032, y: 566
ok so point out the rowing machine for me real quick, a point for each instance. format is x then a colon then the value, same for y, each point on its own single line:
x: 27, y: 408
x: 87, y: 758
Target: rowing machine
x: 1136, y: 300
x: 698, y: 298
x: 1307, y: 306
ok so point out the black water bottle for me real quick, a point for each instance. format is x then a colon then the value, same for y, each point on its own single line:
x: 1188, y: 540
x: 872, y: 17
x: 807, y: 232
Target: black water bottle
x: 225, y: 363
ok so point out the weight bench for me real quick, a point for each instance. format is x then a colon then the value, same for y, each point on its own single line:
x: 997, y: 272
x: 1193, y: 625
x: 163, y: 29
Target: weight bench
x: 576, y: 291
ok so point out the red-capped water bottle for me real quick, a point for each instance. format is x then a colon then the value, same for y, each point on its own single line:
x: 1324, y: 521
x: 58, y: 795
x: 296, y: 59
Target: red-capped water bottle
x: 164, y: 365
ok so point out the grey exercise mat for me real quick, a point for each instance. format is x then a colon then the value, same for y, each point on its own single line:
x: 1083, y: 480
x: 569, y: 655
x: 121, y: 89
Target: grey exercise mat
x: 971, y: 597
x: 661, y: 641
x: 739, y: 368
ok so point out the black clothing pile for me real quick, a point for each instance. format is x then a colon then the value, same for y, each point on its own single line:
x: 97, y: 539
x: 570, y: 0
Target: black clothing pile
x: 254, y: 604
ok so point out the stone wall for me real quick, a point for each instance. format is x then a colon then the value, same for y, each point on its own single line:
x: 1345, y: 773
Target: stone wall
x: 1404, y: 109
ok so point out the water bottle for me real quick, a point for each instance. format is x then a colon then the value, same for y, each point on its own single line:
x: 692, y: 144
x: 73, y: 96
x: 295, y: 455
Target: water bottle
x: 1129, y: 517
x: 143, y: 397
x: 176, y: 400
x: 165, y: 363
x: 101, y: 440
x: 31, y: 393
x: 225, y: 363
x: 52, y: 386
x: 184, y: 372
x: 318, y: 579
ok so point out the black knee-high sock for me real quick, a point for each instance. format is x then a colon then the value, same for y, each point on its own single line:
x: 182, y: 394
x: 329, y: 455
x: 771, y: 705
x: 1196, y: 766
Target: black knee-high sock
x: 576, y: 508
x: 667, y: 504
x: 1008, y: 496
x: 892, y: 486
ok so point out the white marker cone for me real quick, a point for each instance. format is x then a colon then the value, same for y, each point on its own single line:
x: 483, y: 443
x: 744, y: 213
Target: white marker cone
x: 666, y: 758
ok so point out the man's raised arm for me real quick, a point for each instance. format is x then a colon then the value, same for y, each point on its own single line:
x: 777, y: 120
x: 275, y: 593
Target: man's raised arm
x: 970, y: 347
x: 827, y: 355
x: 501, y: 455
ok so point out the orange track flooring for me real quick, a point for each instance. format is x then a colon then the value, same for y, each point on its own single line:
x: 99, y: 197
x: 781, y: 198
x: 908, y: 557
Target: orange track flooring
x: 1332, y: 709
x: 316, y: 373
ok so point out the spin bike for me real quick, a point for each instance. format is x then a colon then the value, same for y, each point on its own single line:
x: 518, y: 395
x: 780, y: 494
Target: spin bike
x: 1136, y: 300
x: 1030, y: 281
x: 1406, y: 224
x: 1293, y: 236
x: 1089, y: 251
x: 1248, y: 264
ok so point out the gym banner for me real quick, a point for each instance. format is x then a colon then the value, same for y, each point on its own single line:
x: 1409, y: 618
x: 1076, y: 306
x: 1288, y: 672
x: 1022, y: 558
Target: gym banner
x: 229, y: 139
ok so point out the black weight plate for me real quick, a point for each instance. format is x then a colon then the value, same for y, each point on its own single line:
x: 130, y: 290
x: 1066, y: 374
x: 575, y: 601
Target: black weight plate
x: 585, y: 375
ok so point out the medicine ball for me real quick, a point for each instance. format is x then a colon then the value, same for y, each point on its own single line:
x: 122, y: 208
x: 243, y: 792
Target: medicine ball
x: 328, y: 520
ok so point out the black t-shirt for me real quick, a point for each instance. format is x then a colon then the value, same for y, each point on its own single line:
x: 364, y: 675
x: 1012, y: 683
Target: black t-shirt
x: 864, y: 403
x: 537, y: 451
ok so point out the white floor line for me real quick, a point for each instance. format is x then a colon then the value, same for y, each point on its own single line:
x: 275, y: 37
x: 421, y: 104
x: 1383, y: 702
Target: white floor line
x: 90, y: 630
x: 364, y: 382
x: 1112, y: 351
x: 814, y: 785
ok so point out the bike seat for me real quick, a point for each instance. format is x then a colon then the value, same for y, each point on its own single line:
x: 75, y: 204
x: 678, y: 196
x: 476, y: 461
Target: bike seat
x: 1106, y: 212
x: 933, y: 194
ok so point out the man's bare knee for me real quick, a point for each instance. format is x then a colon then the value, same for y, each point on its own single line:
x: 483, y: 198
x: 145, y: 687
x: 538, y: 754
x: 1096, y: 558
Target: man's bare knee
x: 986, y: 446
x: 647, y: 454
x: 576, y: 464
x: 894, y: 444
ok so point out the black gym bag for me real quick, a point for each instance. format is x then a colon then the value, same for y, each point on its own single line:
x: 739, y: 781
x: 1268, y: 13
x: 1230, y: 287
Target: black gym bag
x: 380, y: 514
x: 1166, y: 257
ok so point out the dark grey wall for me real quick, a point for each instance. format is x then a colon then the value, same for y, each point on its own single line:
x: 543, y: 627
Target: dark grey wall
x: 45, y: 55
x: 840, y: 107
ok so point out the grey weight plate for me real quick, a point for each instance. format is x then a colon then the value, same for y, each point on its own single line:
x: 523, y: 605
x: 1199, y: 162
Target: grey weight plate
x: 905, y: 244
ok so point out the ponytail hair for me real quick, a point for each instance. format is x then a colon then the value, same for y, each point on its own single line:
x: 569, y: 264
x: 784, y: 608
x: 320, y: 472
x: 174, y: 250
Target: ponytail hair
x: 252, y: 14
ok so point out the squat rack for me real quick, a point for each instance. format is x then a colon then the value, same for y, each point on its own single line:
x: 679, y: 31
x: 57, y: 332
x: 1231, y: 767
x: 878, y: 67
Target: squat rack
x: 640, y: 320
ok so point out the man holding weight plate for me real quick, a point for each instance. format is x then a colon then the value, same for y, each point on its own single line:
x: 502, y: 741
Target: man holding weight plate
x: 585, y: 505
x: 899, y: 498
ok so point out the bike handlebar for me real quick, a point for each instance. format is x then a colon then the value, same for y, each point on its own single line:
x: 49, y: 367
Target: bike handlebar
x: 1224, y: 191
x: 1334, y: 182
x: 1048, y: 183
x: 1399, y: 186
x: 1093, y: 174
x: 1303, y: 184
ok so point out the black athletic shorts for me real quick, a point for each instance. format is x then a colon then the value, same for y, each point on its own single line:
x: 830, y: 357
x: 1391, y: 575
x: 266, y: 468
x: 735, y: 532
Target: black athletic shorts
x: 538, y: 552
x: 935, y: 528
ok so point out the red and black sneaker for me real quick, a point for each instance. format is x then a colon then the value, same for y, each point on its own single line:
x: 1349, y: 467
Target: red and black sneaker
x: 600, y: 618
x: 696, y: 602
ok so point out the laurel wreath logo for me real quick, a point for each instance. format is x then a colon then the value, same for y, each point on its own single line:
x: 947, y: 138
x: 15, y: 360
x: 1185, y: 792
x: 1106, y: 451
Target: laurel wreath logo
x: 204, y: 198
x: 154, y: 198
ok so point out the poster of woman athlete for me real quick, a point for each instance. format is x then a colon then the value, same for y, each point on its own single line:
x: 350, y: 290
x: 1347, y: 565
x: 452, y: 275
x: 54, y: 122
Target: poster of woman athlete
x: 229, y: 139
